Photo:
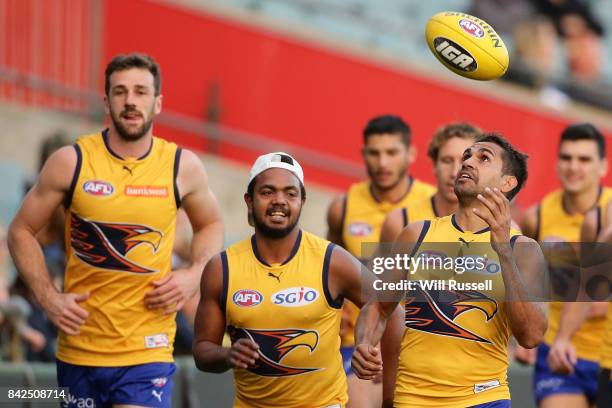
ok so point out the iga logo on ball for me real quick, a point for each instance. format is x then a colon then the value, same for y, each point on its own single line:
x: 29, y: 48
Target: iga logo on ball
x: 467, y: 45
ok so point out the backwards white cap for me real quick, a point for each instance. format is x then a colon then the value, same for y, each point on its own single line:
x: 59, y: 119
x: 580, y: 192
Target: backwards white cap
x: 278, y: 160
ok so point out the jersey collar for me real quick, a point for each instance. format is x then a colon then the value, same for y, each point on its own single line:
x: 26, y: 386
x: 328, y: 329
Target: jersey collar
x: 294, y: 250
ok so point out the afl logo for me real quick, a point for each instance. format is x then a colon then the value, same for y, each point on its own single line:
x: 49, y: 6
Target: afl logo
x: 360, y: 229
x: 247, y: 298
x: 471, y: 28
x: 294, y: 297
x: 98, y: 188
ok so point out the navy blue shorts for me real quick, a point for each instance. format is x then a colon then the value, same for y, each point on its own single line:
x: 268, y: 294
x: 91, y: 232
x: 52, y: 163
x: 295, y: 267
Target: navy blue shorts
x: 347, y: 355
x: 582, y: 381
x: 149, y: 385
x: 494, y: 404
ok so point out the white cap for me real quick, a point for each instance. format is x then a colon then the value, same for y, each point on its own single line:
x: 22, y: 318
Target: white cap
x: 278, y: 160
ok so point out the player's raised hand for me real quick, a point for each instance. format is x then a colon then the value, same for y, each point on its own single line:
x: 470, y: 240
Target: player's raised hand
x: 367, y: 361
x: 172, y: 291
x: 498, y: 217
x: 64, y: 311
x: 243, y: 353
x: 562, y: 357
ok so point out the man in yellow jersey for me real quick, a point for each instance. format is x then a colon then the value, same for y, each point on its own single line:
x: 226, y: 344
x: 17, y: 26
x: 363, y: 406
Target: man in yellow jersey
x: 121, y: 189
x: 279, y: 293
x: 594, y: 221
x: 595, y: 261
x: 556, y: 220
x: 454, y: 350
x: 357, y: 217
x: 446, y: 152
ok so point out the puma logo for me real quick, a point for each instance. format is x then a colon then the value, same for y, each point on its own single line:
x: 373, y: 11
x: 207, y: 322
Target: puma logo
x: 157, y: 395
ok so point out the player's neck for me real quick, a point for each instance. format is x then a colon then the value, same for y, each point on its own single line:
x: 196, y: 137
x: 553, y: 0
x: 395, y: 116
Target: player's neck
x: 581, y: 202
x: 393, y: 194
x: 467, y: 220
x: 275, y: 251
x: 442, y: 206
x: 126, y: 148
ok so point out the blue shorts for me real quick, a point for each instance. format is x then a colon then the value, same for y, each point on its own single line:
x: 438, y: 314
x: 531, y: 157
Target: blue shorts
x: 347, y: 355
x: 149, y: 385
x: 494, y: 404
x: 582, y: 381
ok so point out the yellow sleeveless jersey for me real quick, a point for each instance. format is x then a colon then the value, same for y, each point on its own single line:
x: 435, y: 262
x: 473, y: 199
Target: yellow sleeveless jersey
x: 556, y: 225
x: 120, y: 224
x: 606, y: 349
x: 424, y: 209
x: 454, y: 349
x: 362, y: 220
x: 288, y: 311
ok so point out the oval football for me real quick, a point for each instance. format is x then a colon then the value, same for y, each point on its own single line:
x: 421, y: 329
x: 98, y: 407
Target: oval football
x: 467, y: 45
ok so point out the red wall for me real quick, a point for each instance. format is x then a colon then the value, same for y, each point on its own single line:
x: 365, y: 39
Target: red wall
x: 305, y: 94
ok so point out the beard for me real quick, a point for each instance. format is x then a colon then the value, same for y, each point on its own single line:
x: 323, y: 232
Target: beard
x: 271, y: 232
x: 393, y: 184
x: 127, y: 134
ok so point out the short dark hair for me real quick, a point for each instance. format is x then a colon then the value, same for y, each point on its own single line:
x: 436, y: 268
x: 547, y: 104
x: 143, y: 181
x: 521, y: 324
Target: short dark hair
x: 461, y: 130
x: 251, y: 188
x: 585, y: 131
x: 134, y: 60
x: 514, y: 162
x: 387, y: 124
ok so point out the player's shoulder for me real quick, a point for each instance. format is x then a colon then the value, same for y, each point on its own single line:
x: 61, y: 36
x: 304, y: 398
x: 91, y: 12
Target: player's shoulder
x: 422, y: 187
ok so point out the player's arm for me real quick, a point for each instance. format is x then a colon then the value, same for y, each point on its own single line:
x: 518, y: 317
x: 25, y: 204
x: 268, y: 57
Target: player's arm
x: 209, y: 327
x: 522, y: 267
x: 36, y: 210
x: 390, y: 349
x: 373, y: 317
x: 562, y: 357
x: 335, y: 218
x: 202, y: 209
x: 392, y: 227
x: 529, y: 222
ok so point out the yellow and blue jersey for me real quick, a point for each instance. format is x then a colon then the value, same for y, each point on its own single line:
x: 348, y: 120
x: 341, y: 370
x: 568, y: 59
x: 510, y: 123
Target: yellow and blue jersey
x: 556, y: 225
x: 120, y: 224
x: 454, y: 349
x: 362, y: 221
x: 288, y: 311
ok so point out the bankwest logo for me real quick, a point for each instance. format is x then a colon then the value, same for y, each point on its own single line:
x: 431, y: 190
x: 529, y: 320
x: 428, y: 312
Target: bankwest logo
x: 146, y: 191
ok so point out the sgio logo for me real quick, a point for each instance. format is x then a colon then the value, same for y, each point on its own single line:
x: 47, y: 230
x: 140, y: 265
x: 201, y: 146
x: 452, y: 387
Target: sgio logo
x: 454, y: 54
x: 294, y: 297
x: 247, y: 298
x: 98, y: 188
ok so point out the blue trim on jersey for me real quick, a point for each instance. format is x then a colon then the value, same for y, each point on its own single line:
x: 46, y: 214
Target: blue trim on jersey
x: 225, y: 271
x: 494, y: 404
x: 75, y: 176
x: 433, y: 206
x: 598, y: 221
x: 405, y: 216
x: 513, y: 240
x: 335, y: 303
x: 426, y: 225
x: 294, y: 250
x: 105, y: 139
x: 547, y: 383
x: 177, y: 160
x: 454, y: 222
